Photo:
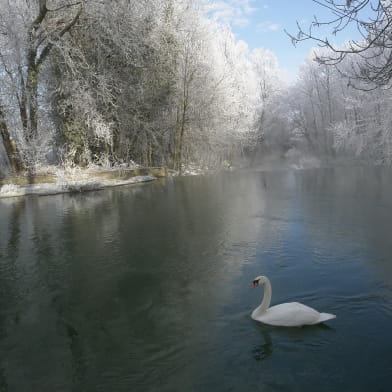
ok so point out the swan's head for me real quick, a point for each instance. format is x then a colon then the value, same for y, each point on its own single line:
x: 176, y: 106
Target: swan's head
x: 259, y: 280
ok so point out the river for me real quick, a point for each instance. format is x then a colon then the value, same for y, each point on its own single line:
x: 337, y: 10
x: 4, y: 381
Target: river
x: 147, y: 287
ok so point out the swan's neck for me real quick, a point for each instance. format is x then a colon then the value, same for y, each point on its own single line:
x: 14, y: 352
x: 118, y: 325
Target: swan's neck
x: 266, y: 297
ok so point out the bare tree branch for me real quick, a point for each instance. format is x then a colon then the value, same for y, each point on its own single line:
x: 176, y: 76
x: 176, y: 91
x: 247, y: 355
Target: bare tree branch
x: 371, y: 56
x: 66, y: 28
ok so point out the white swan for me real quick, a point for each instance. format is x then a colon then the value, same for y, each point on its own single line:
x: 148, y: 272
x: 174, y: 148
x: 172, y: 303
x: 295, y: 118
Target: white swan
x: 291, y: 314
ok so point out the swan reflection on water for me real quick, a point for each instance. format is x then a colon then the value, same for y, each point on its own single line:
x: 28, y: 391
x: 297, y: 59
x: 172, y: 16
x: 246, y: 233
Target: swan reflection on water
x: 262, y: 351
x: 273, y: 337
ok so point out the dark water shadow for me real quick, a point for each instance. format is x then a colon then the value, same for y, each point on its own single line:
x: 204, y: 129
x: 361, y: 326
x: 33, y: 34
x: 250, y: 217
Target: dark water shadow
x: 269, y: 333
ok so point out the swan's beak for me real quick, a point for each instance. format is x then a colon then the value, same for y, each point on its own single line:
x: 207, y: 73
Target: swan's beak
x: 255, y: 284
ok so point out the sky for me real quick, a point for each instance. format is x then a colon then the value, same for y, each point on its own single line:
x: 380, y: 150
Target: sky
x: 261, y: 24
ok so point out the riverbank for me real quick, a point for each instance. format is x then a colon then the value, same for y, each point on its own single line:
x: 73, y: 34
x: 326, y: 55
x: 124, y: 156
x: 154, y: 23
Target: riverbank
x: 76, y: 181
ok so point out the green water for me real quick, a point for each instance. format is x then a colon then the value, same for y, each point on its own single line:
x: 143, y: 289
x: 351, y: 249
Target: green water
x: 147, y: 287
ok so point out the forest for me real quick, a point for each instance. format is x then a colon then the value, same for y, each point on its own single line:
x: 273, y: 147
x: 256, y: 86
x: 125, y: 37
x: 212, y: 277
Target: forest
x: 161, y: 83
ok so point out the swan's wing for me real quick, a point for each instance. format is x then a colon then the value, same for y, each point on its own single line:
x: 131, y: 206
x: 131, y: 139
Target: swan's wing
x: 291, y: 314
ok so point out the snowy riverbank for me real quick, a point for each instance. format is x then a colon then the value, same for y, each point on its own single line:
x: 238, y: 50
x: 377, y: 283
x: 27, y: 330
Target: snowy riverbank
x: 64, y: 186
x: 52, y: 182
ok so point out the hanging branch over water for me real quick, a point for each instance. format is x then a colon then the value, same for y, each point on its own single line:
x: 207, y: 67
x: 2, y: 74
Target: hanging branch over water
x: 370, y: 57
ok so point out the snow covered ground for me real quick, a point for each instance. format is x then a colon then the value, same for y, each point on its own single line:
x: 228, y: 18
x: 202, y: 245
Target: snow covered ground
x: 64, y: 186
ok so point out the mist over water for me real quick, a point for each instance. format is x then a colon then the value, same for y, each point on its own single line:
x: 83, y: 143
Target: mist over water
x: 147, y: 287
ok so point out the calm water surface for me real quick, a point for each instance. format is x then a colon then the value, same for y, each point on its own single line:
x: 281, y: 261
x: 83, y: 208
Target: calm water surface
x: 147, y: 287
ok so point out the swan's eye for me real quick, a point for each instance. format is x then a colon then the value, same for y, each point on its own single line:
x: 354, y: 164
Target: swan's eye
x: 255, y: 283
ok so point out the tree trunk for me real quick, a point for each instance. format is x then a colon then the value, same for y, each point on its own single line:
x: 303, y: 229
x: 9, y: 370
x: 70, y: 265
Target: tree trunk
x: 180, y: 129
x: 181, y: 137
x: 38, y: 50
x: 22, y: 102
x: 32, y: 96
x: 10, y: 146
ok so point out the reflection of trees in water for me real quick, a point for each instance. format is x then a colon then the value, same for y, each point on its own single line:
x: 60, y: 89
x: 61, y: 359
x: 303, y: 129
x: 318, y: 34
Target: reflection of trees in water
x: 38, y: 337
x: 189, y: 263
x: 11, y: 228
x: 133, y: 270
x: 27, y: 317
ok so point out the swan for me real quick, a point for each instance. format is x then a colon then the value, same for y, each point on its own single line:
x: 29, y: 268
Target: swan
x: 292, y: 314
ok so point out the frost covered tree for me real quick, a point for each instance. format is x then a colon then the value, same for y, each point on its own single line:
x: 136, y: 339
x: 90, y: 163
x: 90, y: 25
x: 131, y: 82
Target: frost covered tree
x: 9, y: 144
x: 346, y: 115
x: 333, y: 120
x: 218, y: 101
x: 29, y: 31
x: 152, y: 82
x: 270, y: 132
